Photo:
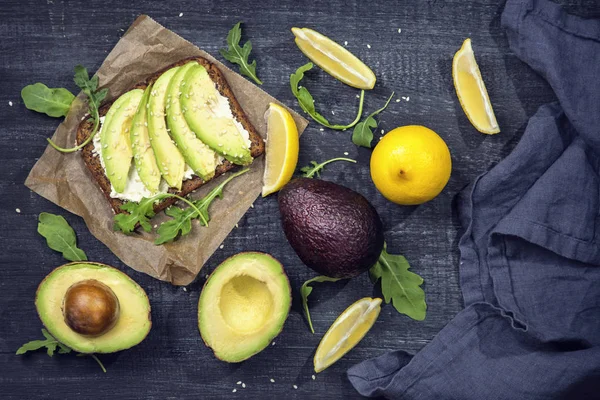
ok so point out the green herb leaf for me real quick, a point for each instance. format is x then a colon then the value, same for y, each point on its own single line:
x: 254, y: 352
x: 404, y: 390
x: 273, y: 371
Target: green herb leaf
x: 50, y: 343
x: 140, y: 213
x: 307, y: 103
x: 316, y: 168
x: 60, y: 236
x: 239, y: 55
x: 400, y: 285
x: 305, y: 290
x: 363, y: 131
x: 52, y: 102
x: 181, y: 224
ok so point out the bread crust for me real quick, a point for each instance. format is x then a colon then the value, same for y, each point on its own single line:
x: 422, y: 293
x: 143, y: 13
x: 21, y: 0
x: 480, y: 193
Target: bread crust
x: 92, y: 161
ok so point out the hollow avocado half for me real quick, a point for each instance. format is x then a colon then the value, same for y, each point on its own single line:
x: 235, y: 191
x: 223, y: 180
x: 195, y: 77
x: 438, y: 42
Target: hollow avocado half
x: 69, y: 300
x: 243, y: 305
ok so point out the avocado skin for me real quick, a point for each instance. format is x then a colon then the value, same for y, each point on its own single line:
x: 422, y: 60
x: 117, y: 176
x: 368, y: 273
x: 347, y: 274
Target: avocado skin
x: 333, y: 229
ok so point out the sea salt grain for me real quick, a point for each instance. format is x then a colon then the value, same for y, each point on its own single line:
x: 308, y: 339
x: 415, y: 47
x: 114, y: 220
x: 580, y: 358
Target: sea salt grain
x: 184, y: 289
x: 239, y: 383
x: 399, y: 30
x: 221, y: 246
x: 272, y: 380
x: 10, y: 103
x: 295, y: 386
x: 244, y: 385
x: 321, y: 129
x: 346, y: 43
x: 345, y: 153
x: 397, y: 100
x: 314, y: 377
x: 368, y: 46
x: 273, y: 344
x: 18, y: 210
x: 181, y: 14
x: 234, y: 390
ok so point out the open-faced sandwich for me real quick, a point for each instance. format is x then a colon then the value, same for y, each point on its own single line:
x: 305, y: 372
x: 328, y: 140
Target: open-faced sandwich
x: 172, y: 133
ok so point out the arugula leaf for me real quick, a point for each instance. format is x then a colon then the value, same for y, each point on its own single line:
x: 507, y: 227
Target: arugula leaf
x: 316, y: 168
x: 140, y: 213
x: 181, y: 224
x: 239, y: 55
x: 95, y: 97
x: 50, y: 343
x: 307, y: 103
x: 305, y: 290
x: 52, y: 102
x: 363, y: 131
x: 399, y: 285
x: 60, y: 236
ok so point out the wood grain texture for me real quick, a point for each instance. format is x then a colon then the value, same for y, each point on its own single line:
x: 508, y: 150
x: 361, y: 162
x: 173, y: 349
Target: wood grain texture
x: 43, y: 40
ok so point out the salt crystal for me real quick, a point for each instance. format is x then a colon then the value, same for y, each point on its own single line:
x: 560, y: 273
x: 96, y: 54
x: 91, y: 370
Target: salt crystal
x: 181, y: 14
x: 10, y: 103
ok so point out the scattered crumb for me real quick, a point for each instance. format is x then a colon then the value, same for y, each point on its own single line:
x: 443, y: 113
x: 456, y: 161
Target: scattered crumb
x: 252, y: 205
x: 234, y: 390
x: 237, y: 226
x: 314, y: 377
x: 181, y: 14
x: 345, y: 43
x: 357, y: 96
x: 239, y: 383
x: 403, y: 98
x: 407, y: 98
x: 399, y: 30
x: 272, y: 380
x: 155, y: 226
x: 397, y: 100
x: 345, y: 153
x: 18, y: 210
x: 321, y: 129
x: 221, y: 246
x: 244, y: 385
x: 184, y: 289
x: 381, y: 138
x: 332, y: 112
x: 10, y: 103
x: 295, y: 386
x: 368, y: 46
x: 273, y: 344
x: 382, y: 131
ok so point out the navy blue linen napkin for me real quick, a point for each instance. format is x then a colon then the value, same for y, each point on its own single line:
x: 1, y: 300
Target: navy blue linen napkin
x: 530, y: 254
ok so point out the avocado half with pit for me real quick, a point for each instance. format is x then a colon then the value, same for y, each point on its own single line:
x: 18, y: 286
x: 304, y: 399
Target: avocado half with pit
x: 243, y: 305
x: 93, y: 308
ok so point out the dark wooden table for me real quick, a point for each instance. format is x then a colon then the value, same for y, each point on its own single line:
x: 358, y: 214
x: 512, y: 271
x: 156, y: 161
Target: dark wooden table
x: 43, y: 40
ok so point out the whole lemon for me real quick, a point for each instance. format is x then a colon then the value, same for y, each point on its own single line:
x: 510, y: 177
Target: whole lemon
x: 411, y: 165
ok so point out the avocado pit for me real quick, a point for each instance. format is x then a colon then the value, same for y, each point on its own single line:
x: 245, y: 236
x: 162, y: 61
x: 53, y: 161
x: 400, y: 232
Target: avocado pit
x: 90, y: 308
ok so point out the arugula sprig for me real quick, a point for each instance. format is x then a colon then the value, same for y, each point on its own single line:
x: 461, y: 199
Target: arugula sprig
x: 306, y: 290
x: 399, y: 285
x: 363, y: 131
x: 307, y: 103
x: 95, y: 97
x: 51, y: 344
x: 181, y: 222
x: 239, y: 55
x: 315, y: 168
x: 140, y: 213
x: 60, y: 236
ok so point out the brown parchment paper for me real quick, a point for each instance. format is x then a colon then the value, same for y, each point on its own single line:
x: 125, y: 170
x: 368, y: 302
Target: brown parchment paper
x: 145, y: 48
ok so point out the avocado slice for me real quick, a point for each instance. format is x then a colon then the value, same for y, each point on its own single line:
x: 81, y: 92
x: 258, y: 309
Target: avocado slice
x: 114, y: 138
x: 333, y: 229
x: 74, y: 298
x: 170, y: 161
x: 197, y: 155
x: 243, y: 305
x: 143, y: 155
x: 209, y: 115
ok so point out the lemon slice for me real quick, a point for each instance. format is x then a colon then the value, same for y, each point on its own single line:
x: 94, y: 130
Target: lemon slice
x: 347, y: 330
x: 334, y: 59
x: 471, y: 90
x: 282, y: 149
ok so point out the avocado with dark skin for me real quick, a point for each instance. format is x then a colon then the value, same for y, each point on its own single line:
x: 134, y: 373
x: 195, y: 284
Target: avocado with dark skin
x: 333, y: 229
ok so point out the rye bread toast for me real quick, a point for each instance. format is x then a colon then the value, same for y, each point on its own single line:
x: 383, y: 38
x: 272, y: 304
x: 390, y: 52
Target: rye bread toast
x: 92, y: 161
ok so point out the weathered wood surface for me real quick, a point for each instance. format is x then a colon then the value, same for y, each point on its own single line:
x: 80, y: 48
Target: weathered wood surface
x: 43, y: 40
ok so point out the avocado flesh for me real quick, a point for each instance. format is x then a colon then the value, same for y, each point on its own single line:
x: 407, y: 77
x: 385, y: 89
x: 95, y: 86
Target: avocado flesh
x: 115, y: 141
x: 131, y: 327
x: 197, y: 155
x: 169, y: 160
x: 143, y: 155
x: 209, y: 115
x: 243, y: 305
x: 333, y: 229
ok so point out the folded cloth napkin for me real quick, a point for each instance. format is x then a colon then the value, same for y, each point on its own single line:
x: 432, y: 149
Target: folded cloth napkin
x: 530, y: 255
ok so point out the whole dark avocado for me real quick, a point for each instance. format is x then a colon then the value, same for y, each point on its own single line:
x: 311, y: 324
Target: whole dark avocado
x: 333, y: 229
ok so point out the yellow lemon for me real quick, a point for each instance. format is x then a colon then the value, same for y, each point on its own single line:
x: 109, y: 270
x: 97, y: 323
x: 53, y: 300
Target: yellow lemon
x: 471, y: 91
x: 411, y: 165
x: 347, y: 330
x: 282, y: 149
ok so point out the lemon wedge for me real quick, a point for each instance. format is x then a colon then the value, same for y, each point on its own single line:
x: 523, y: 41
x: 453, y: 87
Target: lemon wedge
x: 282, y: 149
x: 471, y: 90
x: 347, y: 330
x: 334, y: 59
